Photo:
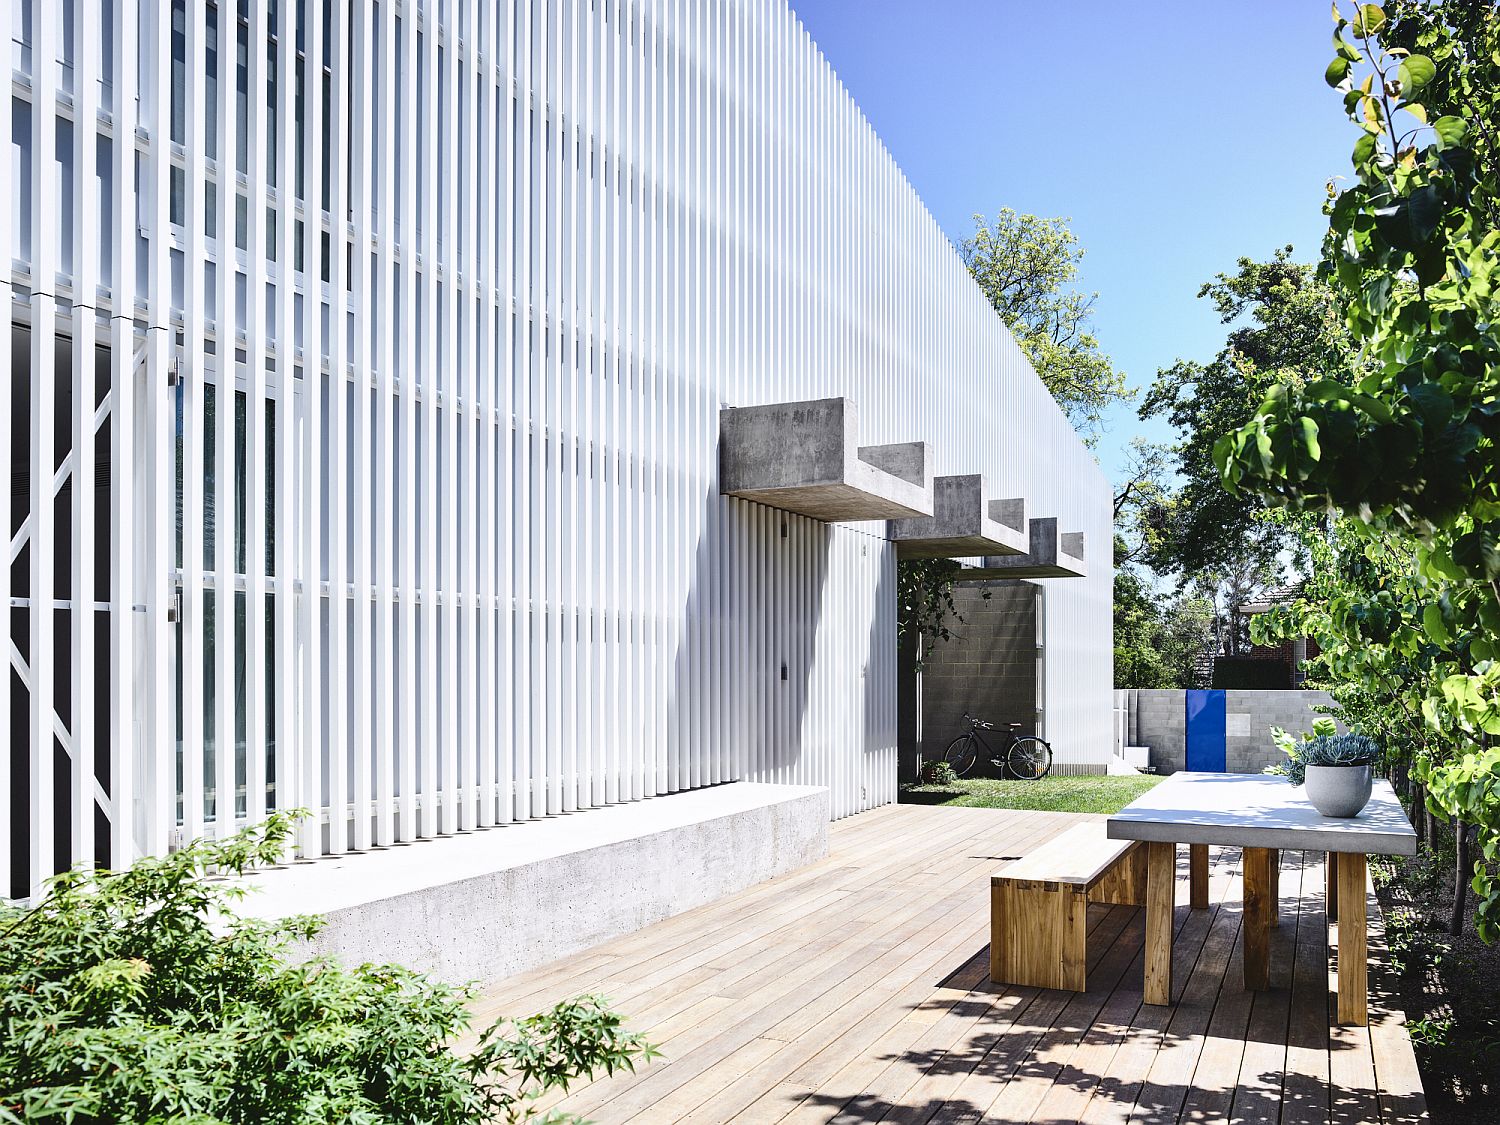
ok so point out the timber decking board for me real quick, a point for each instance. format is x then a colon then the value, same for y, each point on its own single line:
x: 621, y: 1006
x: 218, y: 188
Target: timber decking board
x: 856, y: 990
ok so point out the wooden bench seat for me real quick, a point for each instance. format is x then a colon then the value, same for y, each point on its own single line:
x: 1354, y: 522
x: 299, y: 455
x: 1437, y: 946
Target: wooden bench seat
x: 1039, y: 905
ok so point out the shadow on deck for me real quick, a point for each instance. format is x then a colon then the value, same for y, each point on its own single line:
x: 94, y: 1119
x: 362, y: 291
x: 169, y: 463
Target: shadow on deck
x: 858, y: 990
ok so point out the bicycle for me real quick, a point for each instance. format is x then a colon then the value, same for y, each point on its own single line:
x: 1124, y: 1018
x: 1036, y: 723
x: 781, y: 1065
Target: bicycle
x: 1025, y: 757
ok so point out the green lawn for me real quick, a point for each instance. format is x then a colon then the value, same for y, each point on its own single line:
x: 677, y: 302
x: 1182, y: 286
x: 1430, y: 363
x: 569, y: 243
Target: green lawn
x: 1086, y: 794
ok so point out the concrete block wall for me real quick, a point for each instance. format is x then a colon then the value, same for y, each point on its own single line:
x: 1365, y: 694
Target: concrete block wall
x: 988, y: 668
x: 1158, y: 719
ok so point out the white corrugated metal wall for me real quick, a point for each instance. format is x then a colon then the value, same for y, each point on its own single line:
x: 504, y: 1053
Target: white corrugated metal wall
x: 451, y: 553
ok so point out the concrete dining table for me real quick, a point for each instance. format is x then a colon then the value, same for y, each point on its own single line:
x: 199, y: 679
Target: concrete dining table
x: 1263, y: 815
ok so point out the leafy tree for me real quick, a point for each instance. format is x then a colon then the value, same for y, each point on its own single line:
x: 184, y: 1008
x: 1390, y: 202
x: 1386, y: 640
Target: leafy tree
x: 1284, y: 328
x: 1142, y: 502
x: 1456, y: 36
x: 1403, y: 447
x: 1410, y: 442
x: 138, y: 996
x: 1158, y: 639
x: 1228, y: 591
x: 1365, y: 603
x: 1025, y: 265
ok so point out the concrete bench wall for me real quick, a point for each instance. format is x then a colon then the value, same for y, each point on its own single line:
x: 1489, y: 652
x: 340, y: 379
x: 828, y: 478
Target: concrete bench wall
x: 480, y: 906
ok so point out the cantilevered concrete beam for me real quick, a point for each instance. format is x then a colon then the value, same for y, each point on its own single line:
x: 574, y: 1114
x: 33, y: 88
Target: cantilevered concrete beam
x: 964, y: 523
x: 1053, y: 554
x: 805, y: 457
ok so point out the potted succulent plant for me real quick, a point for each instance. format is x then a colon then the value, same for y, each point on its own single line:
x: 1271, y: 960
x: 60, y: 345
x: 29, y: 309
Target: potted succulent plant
x: 1337, y: 771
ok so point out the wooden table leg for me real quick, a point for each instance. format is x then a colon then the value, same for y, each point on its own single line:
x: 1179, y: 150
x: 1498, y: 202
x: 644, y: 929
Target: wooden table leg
x: 1257, y: 921
x: 1275, y: 886
x: 1353, y: 940
x: 1198, y: 876
x: 1331, y: 894
x: 1161, y: 885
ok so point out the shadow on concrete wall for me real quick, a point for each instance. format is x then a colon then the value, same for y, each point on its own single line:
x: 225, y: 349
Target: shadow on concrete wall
x: 881, y: 674
x: 741, y: 679
x: 988, y: 668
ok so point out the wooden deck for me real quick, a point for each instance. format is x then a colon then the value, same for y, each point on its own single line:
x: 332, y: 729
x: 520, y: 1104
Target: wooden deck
x: 857, y: 990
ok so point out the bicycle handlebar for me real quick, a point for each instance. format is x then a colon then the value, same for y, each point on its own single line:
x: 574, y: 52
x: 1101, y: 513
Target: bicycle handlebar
x: 982, y: 724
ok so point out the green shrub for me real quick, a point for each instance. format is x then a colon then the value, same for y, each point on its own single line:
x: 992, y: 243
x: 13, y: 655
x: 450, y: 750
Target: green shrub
x: 1430, y: 1033
x: 1324, y: 747
x: 1383, y: 872
x: 938, y: 773
x: 1291, y: 745
x: 1413, y: 948
x: 139, y: 996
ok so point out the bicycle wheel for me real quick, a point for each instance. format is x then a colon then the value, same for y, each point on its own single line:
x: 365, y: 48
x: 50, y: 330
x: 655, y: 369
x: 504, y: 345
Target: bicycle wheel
x: 960, y: 754
x: 1028, y: 759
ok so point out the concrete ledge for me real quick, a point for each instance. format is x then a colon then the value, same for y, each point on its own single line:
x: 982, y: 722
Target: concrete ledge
x: 964, y: 523
x: 805, y: 457
x: 1052, y: 554
x: 485, y: 905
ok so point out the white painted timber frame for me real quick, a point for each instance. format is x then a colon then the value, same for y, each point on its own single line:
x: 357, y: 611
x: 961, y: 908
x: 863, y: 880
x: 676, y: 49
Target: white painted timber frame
x: 362, y: 426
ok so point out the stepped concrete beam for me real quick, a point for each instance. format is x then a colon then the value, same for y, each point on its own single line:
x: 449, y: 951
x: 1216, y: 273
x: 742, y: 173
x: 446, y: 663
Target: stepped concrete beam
x: 1053, y: 554
x: 804, y: 457
x: 963, y: 524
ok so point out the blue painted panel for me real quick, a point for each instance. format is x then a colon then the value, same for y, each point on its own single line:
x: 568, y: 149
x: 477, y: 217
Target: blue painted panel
x: 1206, y: 741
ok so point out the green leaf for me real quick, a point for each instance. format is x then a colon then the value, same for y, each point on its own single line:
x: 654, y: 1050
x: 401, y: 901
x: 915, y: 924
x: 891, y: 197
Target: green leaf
x: 1434, y: 404
x: 1337, y: 71
x: 1225, y: 453
x: 1264, y: 451
x: 1369, y: 20
x: 1409, y: 224
x: 1440, y: 562
x: 1434, y: 625
x: 1478, y: 552
x: 1310, y: 437
x: 1415, y: 73
x: 1425, y: 208
x: 1451, y: 131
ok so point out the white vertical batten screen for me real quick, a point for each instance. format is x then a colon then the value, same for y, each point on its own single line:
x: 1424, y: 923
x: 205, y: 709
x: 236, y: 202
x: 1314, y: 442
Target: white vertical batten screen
x: 365, y: 368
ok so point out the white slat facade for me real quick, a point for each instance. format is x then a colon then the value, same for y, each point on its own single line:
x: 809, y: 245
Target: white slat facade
x: 364, y: 368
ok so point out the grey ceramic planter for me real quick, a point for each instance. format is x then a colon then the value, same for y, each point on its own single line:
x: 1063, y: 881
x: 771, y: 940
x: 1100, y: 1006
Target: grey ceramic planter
x: 1339, y: 790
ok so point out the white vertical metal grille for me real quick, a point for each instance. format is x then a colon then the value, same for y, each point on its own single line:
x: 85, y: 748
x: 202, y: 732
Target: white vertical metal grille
x: 364, y: 369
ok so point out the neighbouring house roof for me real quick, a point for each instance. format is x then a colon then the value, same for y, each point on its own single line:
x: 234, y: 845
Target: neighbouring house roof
x: 1276, y: 596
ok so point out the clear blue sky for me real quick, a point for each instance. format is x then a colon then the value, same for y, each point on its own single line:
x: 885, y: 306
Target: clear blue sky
x: 1176, y: 136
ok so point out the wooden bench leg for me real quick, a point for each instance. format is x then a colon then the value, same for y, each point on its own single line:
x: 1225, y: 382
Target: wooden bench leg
x: 1353, y: 941
x: 1038, y: 934
x: 1161, y: 885
x: 1124, y: 884
x: 1198, y: 876
x: 1257, y: 921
